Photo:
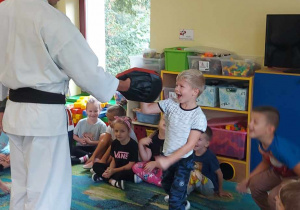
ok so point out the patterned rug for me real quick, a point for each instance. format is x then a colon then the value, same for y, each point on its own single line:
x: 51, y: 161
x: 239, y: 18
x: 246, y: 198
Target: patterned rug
x: 90, y: 195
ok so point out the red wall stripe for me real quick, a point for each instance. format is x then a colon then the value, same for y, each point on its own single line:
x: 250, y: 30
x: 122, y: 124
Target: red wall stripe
x: 82, y: 19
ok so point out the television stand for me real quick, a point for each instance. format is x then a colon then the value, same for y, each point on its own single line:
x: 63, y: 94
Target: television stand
x: 292, y: 71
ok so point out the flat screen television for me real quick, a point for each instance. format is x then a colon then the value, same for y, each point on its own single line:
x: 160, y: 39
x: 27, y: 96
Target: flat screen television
x: 282, y: 44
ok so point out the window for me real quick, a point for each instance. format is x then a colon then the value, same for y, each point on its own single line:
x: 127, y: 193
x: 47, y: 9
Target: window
x: 116, y: 29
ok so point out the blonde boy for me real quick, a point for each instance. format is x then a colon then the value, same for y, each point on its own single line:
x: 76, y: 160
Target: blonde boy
x: 280, y: 158
x: 185, y: 122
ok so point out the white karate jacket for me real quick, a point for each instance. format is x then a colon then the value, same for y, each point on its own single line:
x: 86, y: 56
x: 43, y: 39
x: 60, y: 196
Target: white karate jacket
x: 40, y: 48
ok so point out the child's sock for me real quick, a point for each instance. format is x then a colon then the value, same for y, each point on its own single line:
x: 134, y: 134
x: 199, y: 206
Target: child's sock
x: 84, y: 158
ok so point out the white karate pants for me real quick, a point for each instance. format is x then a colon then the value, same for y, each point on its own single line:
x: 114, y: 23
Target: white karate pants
x: 40, y: 172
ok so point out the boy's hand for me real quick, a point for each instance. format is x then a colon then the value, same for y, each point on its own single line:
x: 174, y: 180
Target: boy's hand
x: 145, y: 141
x: 242, y: 186
x: 224, y: 194
x: 150, y: 166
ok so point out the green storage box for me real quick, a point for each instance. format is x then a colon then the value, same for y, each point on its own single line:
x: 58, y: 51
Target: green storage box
x: 176, y: 59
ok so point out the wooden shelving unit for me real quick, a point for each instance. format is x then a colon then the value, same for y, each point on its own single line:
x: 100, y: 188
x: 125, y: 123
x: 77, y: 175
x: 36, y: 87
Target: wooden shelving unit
x: 144, y: 124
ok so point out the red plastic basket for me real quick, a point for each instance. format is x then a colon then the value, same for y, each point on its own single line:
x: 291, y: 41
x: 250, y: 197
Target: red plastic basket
x: 226, y: 142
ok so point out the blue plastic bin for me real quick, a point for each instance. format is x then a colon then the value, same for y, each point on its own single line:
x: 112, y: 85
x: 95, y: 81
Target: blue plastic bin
x: 148, y: 118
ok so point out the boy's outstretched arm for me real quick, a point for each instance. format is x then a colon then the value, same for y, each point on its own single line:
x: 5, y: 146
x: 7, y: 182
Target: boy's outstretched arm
x: 150, y: 108
x: 165, y: 162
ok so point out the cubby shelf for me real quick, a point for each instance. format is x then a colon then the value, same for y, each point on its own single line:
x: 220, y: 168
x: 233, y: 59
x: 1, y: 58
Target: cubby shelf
x: 144, y: 124
x: 224, y: 110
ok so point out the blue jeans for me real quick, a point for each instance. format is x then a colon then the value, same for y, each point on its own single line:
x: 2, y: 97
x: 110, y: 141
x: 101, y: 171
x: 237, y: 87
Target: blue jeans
x: 175, y: 181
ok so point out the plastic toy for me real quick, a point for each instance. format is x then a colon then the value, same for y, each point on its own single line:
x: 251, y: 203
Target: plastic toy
x: 237, y: 68
x: 235, y: 127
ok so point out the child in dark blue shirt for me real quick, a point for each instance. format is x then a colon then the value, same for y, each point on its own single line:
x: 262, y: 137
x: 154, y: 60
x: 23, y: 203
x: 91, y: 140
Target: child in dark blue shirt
x: 207, y: 177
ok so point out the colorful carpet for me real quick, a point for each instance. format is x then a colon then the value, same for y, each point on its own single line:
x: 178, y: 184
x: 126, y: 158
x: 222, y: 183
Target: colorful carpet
x: 90, y: 195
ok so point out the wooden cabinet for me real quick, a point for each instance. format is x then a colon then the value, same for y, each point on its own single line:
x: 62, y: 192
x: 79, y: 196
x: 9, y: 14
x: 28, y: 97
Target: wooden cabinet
x: 237, y: 169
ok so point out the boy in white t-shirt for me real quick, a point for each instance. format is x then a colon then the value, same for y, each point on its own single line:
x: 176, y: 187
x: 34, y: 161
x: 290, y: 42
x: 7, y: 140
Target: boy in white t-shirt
x: 185, y: 122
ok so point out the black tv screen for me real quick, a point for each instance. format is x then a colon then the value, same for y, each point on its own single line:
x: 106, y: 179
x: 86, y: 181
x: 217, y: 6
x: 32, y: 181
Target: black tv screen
x: 282, y: 47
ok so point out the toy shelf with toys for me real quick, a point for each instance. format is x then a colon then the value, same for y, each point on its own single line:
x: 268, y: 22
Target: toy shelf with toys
x: 226, y: 102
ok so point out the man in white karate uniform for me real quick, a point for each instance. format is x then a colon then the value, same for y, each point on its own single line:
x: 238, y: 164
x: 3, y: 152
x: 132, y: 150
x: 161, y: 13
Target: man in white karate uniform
x: 40, y: 50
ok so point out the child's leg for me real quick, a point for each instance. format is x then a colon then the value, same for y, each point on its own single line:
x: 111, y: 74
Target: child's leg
x: 99, y: 169
x: 127, y: 175
x: 178, y: 189
x: 168, y: 178
x: 153, y: 177
x: 78, y: 152
x: 87, y: 149
x: 206, y: 188
x: 191, y: 188
x: 260, y: 184
x: 103, y: 144
x: 117, y: 179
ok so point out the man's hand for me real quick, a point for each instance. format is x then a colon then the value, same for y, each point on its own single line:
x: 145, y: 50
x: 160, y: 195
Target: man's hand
x: 124, y: 85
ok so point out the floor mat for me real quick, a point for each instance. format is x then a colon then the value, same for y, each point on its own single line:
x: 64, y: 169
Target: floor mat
x: 89, y: 195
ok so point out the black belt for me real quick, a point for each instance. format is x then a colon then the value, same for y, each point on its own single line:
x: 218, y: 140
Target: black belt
x: 30, y: 95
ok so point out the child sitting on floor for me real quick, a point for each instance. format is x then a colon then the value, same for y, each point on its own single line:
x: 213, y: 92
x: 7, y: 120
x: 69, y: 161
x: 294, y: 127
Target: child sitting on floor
x: 109, y: 136
x: 207, y: 177
x: 149, y: 148
x: 87, y: 132
x: 288, y: 197
x: 124, y: 153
